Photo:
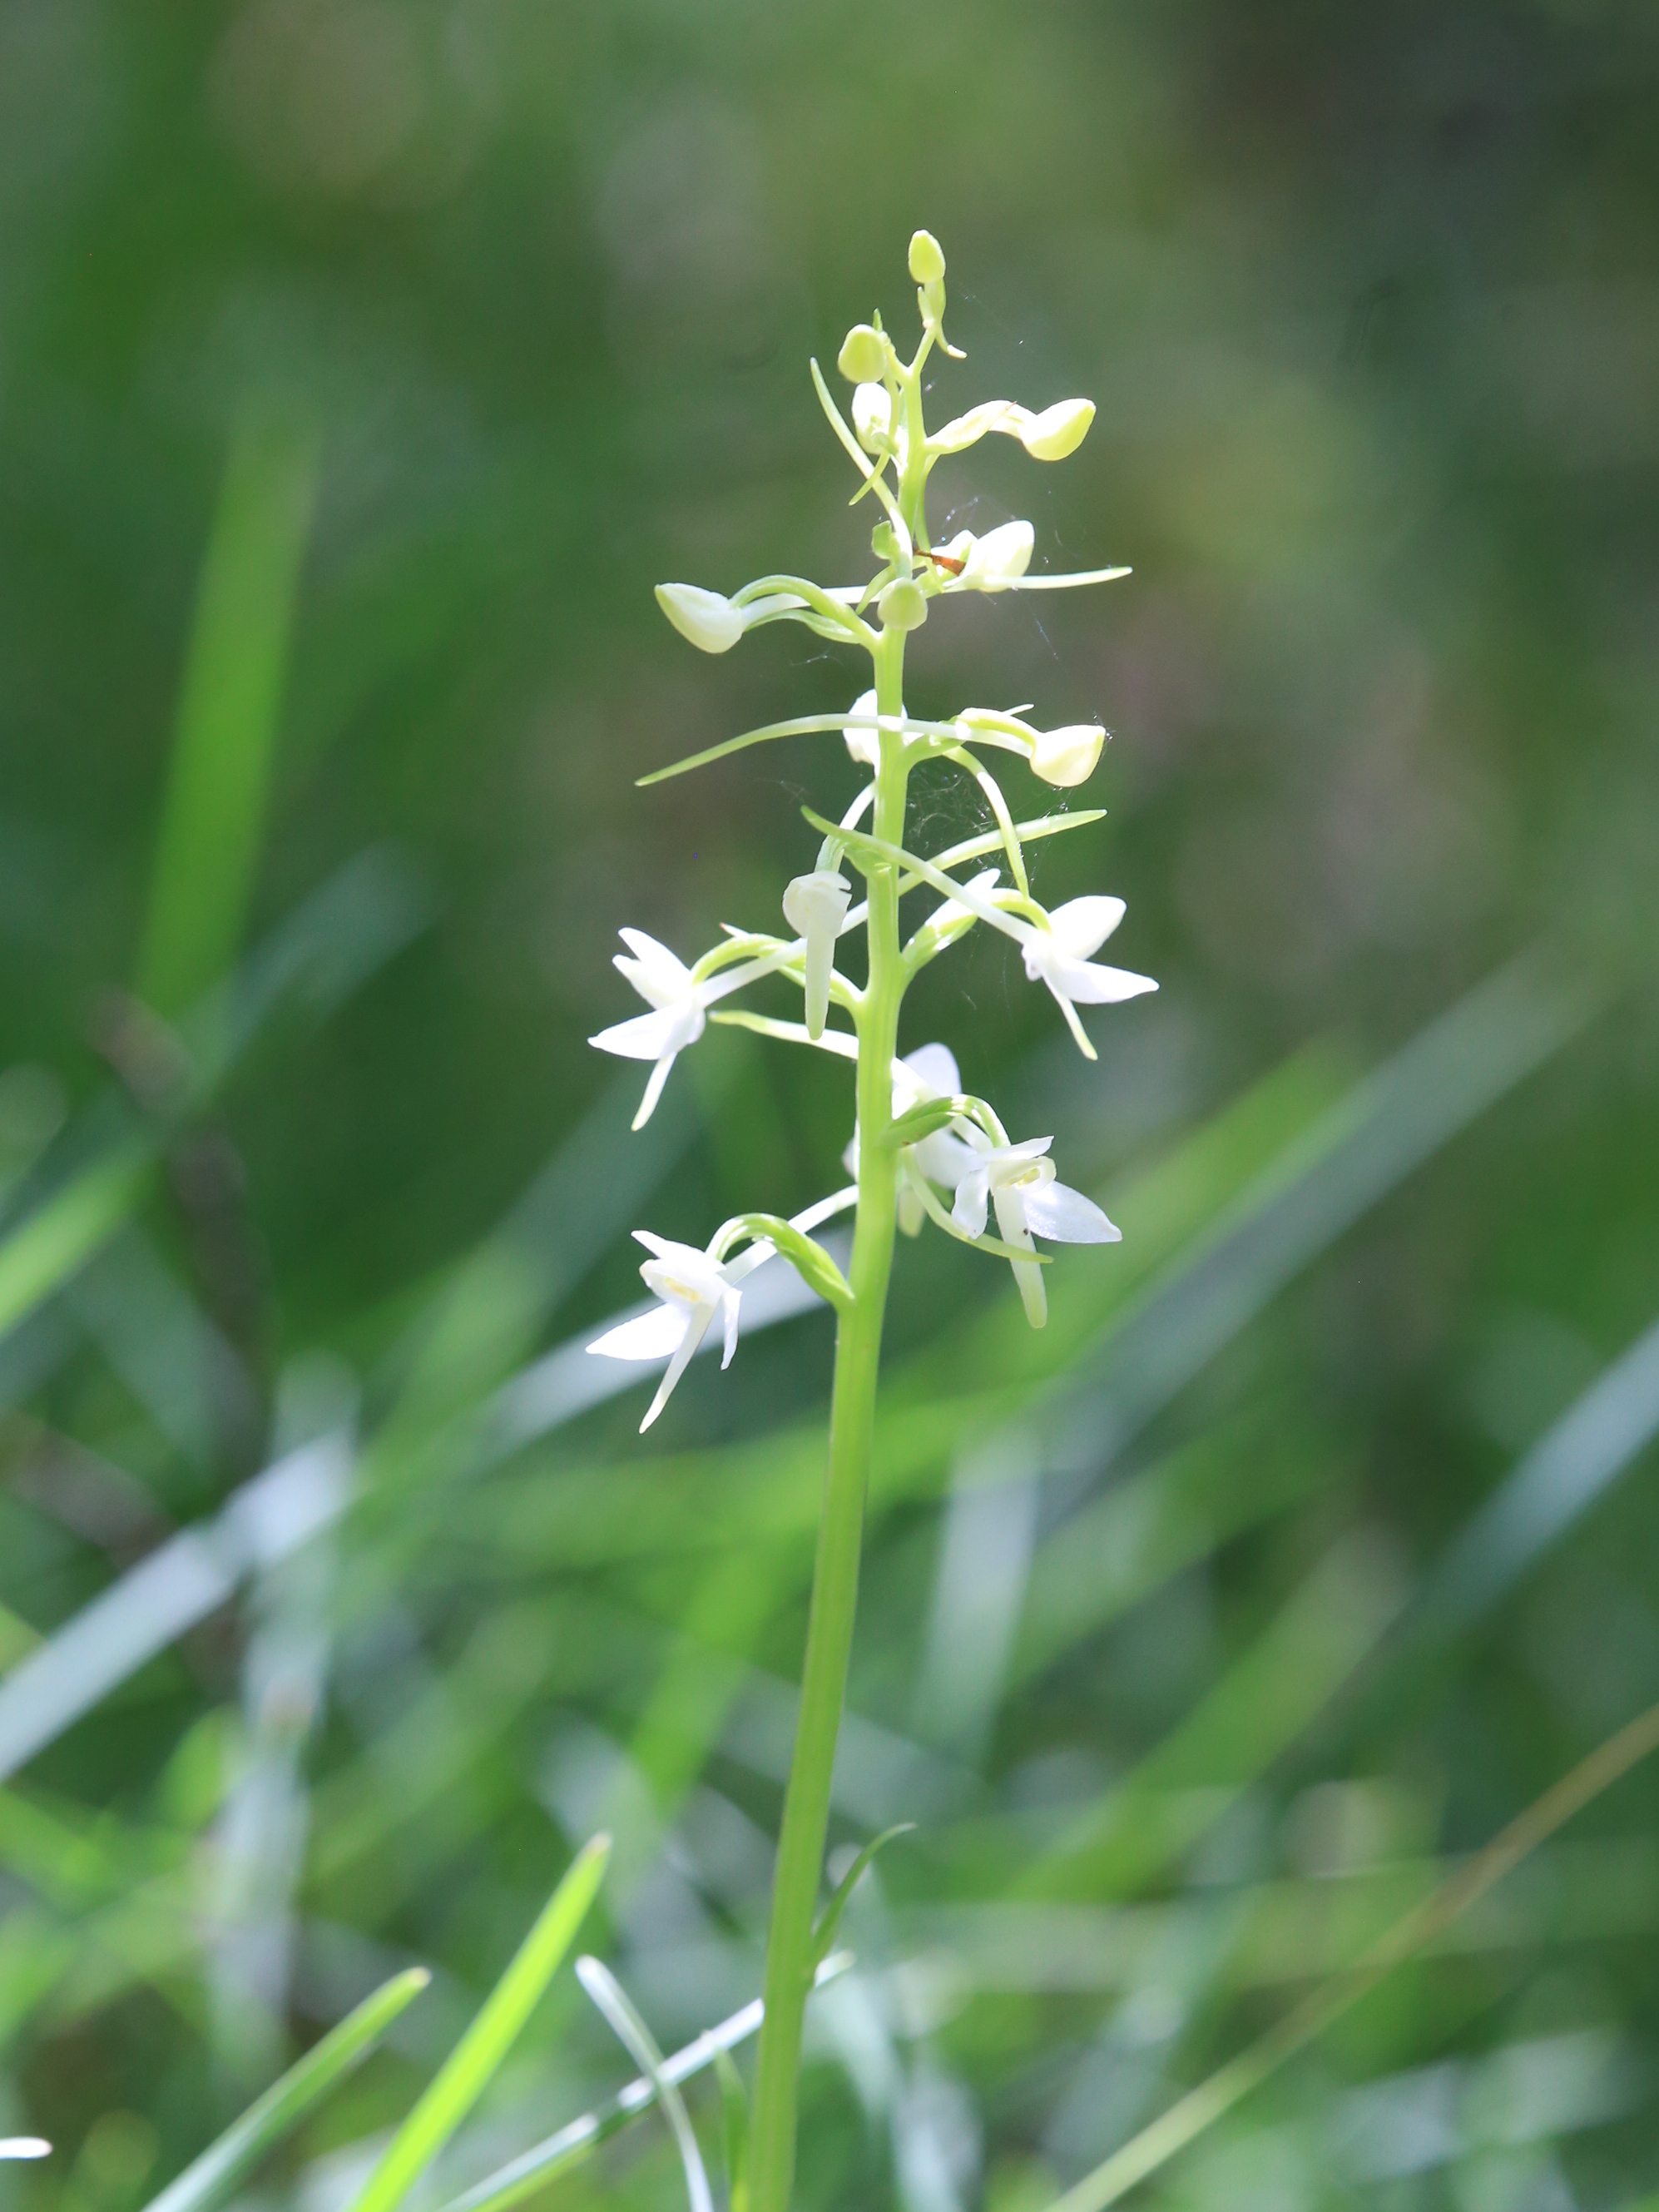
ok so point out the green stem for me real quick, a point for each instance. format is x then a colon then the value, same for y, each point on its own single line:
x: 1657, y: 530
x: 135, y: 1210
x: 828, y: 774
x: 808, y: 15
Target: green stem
x: 840, y: 1530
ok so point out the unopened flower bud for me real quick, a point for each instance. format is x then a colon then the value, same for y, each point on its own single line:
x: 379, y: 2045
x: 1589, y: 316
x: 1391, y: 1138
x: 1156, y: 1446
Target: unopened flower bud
x: 863, y: 355
x: 903, y: 605
x: 712, y: 623
x: 994, y: 561
x: 815, y: 908
x: 1068, y: 757
x: 1059, y: 430
x: 873, y: 415
x: 927, y: 261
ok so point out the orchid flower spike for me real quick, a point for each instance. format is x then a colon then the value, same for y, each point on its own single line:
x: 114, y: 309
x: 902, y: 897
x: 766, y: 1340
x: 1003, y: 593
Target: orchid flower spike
x: 1018, y: 1180
x: 679, y: 1004
x: 815, y: 908
x: 693, y: 1287
x: 1059, y: 956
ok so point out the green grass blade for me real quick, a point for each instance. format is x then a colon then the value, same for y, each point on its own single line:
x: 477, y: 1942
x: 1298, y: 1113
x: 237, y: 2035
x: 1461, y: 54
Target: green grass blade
x: 217, y: 2173
x: 626, y: 2024
x: 824, y: 1934
x: 544, y: 2161
x: 463, y: 2077
x: 215, y: 809
x: 52, y: 1243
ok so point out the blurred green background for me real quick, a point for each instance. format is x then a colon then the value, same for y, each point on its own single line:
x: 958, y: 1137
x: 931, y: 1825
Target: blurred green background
x: 362, y: 364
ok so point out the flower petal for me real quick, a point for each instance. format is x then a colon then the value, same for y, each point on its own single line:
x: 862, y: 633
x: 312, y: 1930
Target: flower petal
x: 1053, y: 1210
x: 1089, y: 983
x: 653, y: 1335
x: 973, y: 1193
x: 1082, y: 926
x: 934, y: 1068
x: 945, y: 1159
x: 645, y: 1037
x: 657, y: 960
x: 729, y: 1305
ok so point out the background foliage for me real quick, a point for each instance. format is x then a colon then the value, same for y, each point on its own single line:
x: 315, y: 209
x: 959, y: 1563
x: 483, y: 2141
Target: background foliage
x: 360, y: 368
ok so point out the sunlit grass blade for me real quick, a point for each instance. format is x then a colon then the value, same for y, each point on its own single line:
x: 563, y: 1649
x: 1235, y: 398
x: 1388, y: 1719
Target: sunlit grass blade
x: 214, y: 817
x: 52, y: 1243
x: 1202, y: 2107
x: 175, y: 1586
x: 734, y: 2131
x: 333, y: 943
x: 216, y: 2175
x: 467, y: 2071
x: 636, y: 2038
x: 544, y: 2161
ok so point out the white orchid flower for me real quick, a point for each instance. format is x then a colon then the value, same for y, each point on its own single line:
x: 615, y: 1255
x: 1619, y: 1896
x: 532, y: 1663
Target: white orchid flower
x: 24, y: 2146
x: 693, y: 1287
x: 1059, y: 956
x: 1065, y: 758
x: 990, y: 563
x: 1058, y: 430
x: 711, y: 622
x: 874, y: 426
x: 1051, y: 436
x: 815, y: 907
x: 930, y: 1071
x: 679, y: 1006
x: 1018, y: 1180
x: 1068, y: 757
